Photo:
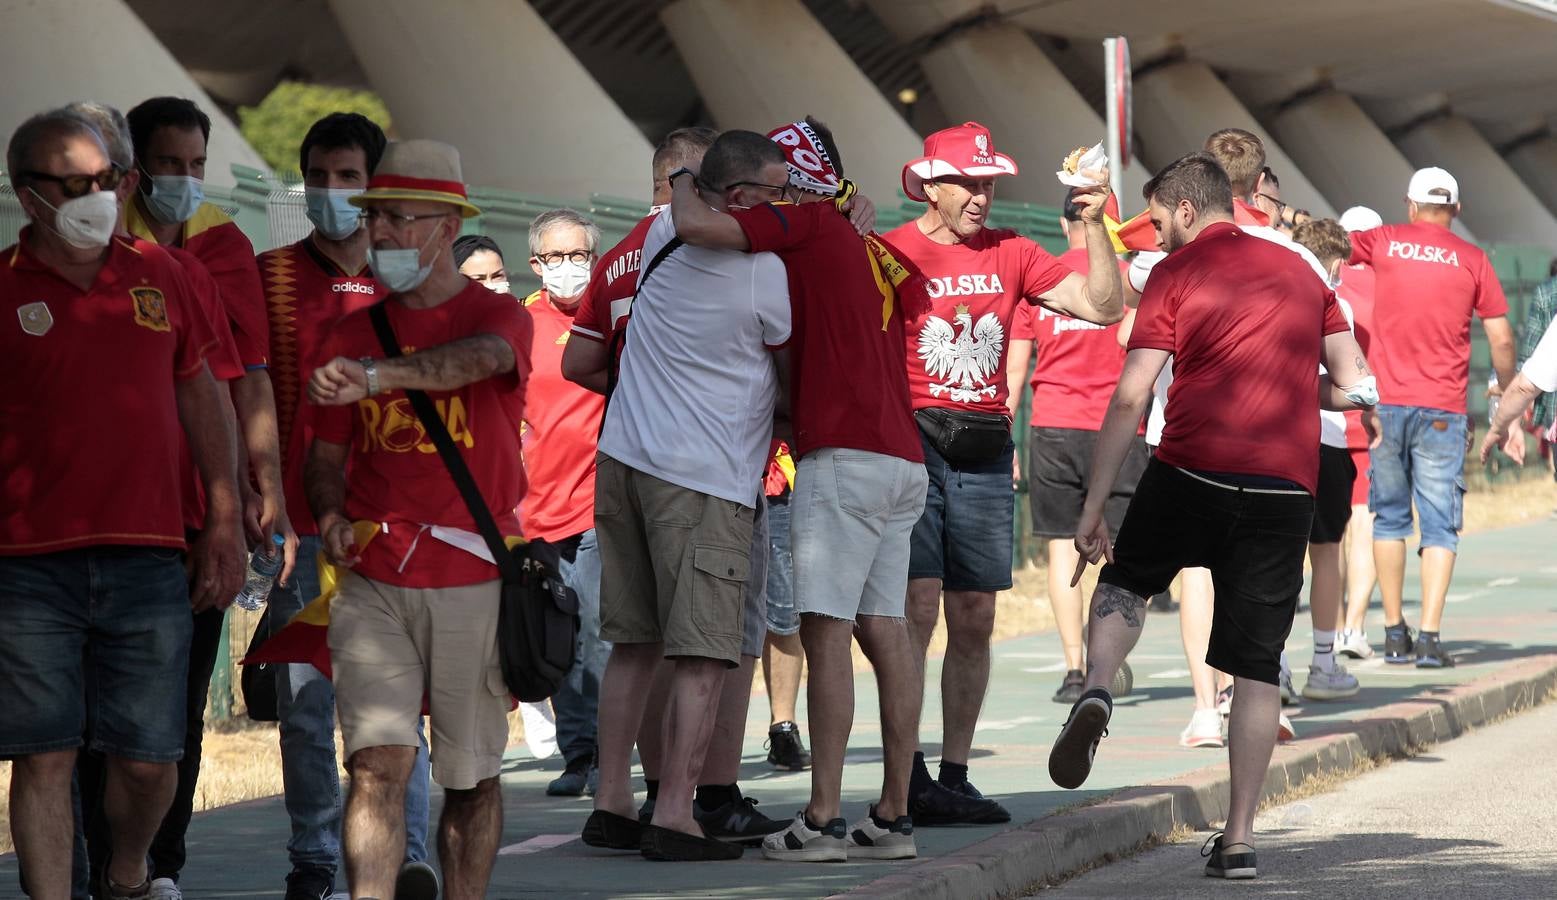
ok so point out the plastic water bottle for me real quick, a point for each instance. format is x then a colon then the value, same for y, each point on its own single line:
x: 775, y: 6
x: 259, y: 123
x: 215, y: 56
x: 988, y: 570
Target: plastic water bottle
x: 263, y: 570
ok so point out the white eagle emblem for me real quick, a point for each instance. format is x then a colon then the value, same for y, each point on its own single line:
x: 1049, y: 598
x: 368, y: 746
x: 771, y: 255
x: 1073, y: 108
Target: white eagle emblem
x: 962, y: 361
x: 982, y: 142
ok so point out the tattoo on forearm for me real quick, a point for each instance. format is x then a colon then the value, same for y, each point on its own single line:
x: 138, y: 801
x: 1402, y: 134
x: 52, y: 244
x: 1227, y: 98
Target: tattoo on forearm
x: 1114, y: 599
x: 452, y: 365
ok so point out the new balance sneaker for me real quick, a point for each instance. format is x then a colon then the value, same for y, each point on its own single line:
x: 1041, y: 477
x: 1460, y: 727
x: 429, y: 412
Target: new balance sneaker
x: 736, y: 821
x: 1397, y: 644
x: 164, y: 889
x: 1124, y: 681
x: 1330, y: 684
x: 800, y: 842
x: 1070, y: 688
x: 1284, y: 730
x: 1204, y: 730
x: 785, y: 749
x: 1354, y: 644
x: 1430, y: 653
x: 1070, y: 759
x: 937, y: 805
x: 873, y: 838
x: 416, y: 881
x: 1224, y: 861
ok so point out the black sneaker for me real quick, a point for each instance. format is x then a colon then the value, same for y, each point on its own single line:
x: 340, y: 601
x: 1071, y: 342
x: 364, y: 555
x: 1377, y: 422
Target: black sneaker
x: 310, y: 884
x: 737, y: 821
x: 1070, y: 759
x: 416, y: 881
x: 785, y: 749
x: 1397, y: 644
x: 998, y: 815
x: 1070, y: 688
x: 574, y: 778
x: 938, y: 805
x: 1220, y: 863
x: 1163, y: 603
x: 1430, y: 653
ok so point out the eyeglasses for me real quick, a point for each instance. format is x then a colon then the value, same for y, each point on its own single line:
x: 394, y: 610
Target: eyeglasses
x: 782, y: 190
x: 553, y: 260
x: 1281, y: 208
x: 397, y: 221
x: 74, y: 186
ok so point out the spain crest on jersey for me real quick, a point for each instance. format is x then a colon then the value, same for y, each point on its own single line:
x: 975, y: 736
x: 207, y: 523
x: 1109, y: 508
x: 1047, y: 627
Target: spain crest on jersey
x: 151, y: 308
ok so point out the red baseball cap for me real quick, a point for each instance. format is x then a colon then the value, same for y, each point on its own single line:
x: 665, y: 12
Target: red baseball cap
x: 965, y: 149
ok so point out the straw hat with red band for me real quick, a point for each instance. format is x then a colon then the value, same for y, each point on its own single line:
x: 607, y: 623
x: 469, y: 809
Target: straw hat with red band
x: 964, y: 150
x: 419, y: 170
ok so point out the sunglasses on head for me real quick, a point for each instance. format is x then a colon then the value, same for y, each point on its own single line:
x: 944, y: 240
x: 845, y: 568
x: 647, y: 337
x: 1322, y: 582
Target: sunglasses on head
x: 80, y: 185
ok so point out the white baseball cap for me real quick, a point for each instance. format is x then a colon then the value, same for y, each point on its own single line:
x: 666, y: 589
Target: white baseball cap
x: 1433, y: 185
x: 1360, y: 218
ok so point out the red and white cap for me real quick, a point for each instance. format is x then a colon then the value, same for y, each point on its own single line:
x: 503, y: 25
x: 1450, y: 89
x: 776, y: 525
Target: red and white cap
x: 966, y: 150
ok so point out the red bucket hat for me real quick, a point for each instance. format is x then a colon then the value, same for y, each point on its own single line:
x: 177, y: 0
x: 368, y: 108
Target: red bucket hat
x: 965, y: 150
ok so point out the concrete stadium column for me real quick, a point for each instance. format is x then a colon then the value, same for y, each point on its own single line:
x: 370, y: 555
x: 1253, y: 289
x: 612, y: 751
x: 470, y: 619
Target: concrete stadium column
x: 493, y: 80
x: 1495, y: 204
x: 760, y: 63
x: 1535, y: 161
x: 1346, y: 155
x: 66, y: 50
x: 1179, y: 103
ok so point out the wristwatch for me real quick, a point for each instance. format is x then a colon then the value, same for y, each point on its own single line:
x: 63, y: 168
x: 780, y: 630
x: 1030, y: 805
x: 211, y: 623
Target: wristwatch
x: 671, y: 178
x: 370, y: 369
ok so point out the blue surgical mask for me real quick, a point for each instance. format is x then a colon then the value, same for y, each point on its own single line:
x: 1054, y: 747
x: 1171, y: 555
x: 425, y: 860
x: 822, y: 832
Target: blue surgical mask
x: 174, y: 198
x: 331, y: 211
x: 400, y: 270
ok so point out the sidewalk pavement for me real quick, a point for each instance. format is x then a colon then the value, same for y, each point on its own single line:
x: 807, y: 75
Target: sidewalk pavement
x: 1500, y: 625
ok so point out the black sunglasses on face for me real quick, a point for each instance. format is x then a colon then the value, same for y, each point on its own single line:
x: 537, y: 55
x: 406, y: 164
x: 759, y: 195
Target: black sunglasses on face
x: 74, y: 186
x: 781, y: 189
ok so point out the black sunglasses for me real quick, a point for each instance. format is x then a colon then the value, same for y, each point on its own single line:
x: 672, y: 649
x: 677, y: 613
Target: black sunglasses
x: 74, y: 186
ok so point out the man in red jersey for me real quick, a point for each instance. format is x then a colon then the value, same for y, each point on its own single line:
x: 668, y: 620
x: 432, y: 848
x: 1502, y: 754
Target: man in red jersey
x: 1078, y: 366
x: 859, y: 485
x: 309, y: 285
x: 1429, y: 282
x: 99, y: 542
x: 956, y: 355
x: 1231, y: 486
x: 417, y: 613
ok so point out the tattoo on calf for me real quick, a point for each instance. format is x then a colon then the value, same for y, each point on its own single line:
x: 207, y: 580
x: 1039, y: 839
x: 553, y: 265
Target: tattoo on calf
x: 1112, y: 598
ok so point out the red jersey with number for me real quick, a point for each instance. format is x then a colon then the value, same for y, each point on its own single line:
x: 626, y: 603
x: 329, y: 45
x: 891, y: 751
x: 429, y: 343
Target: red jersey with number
x: 1357, y: 287
x: 305, y: 294
x: 847, y: 387
x: 89, y: 424
x: 608, y: 300
x: 1245, y: 320
x: 957, y: 351
x: 561, y: 426
x: 1428, y: 283
x: 1078, y: 363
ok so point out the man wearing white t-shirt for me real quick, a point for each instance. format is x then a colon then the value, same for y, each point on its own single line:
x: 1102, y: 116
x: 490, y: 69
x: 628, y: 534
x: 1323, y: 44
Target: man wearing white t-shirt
x: 681, y: 456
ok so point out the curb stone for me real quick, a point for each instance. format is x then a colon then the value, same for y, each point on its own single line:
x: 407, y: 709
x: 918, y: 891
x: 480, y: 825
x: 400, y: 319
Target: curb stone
x: 1049, y: 849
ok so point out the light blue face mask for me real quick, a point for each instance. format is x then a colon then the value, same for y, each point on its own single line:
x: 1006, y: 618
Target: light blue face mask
x: 174, y: 198
x: 331, y: 211
x: 400, y: 269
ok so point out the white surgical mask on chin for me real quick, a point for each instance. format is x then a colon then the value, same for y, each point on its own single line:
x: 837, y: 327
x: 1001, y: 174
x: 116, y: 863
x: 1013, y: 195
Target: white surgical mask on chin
x: 86, y: 222
x: 567, y: 280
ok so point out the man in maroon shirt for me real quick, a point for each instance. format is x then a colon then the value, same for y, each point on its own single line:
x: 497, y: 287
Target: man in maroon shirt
x: 1247, y: 323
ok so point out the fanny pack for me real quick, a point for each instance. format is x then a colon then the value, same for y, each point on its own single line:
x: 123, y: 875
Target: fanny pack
x: 965, y: 438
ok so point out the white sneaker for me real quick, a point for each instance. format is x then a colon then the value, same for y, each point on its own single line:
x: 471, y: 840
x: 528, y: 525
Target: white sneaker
x: 802, y: 843
x: 540, y: 729
x: 1204, y: 730
x: 1284, y: 730
x: 1284, y: 682
x: 164, y: 889
x: 867, y: 840
x: 1354, y: 644
x: 1330, y: 684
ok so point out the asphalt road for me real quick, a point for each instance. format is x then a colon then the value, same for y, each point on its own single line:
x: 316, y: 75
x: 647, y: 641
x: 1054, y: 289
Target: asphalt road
x: 1473, y: 817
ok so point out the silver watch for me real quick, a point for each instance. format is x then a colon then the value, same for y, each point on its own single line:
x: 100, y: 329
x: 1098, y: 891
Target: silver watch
x: 370, y: 369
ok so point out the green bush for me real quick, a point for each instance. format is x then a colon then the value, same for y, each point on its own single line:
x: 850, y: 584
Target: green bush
x: 275, y: 127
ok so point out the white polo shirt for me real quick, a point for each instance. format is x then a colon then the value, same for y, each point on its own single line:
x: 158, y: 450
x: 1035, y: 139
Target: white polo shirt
x: 694, y: 403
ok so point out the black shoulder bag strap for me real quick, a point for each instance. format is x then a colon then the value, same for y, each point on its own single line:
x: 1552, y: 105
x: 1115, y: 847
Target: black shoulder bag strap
x: 439, y: 434
x: 614, y: 350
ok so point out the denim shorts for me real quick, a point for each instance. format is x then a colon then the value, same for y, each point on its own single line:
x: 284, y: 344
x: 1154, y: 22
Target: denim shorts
x: 963, y: 537
x: 782, y: 618
x: 1420, y: 462
x: 94, y: 641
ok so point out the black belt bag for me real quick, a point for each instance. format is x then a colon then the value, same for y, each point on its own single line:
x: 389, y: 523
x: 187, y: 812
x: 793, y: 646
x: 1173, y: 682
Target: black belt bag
x: 965, y: 438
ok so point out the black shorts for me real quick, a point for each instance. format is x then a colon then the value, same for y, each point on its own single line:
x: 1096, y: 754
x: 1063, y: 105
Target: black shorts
x: 1333, y: 503
x: 1252, y: 539
x: 1059, y: 463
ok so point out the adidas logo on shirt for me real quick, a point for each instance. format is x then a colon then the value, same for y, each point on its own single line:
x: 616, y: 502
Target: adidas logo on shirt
x: 351, y: 287
x: 1423, y: 253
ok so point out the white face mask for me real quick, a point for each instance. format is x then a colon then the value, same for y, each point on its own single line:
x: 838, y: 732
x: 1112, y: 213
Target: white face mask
x: 400, y: 270
x: 85, y: 222
x: 567, y: 280
x: 497, y: 287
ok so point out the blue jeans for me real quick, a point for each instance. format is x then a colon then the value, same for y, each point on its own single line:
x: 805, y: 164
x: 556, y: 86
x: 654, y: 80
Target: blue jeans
x: 305, y: 700
x: 964, y: 535
x: 782, y: 618
x: 1420, y: 460
x: 577, y: 701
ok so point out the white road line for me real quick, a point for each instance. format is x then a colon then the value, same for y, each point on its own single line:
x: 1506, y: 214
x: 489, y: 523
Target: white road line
x: 1171, y: 673
x: 1052, y: 667
x: 1503, y: 582
x: 537, y: 844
